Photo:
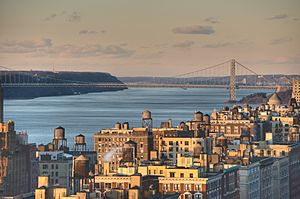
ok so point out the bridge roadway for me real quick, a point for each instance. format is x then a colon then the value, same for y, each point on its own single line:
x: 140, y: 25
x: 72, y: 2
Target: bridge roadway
x: 128, y: 85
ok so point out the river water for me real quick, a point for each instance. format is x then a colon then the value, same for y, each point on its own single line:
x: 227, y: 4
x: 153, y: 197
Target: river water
x: 89, y: 113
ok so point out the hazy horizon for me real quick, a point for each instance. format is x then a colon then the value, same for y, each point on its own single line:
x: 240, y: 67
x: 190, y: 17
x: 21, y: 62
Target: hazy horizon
x: 149, y: 38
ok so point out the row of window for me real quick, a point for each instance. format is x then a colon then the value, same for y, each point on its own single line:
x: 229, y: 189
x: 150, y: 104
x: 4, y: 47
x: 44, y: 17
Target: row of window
x: 186, y: 149
x: 52, y: 173
x: 177, y: 143
x: 172, y: 175
x: 187, y: 187
x: 46, y: 166
x: 119, y: 139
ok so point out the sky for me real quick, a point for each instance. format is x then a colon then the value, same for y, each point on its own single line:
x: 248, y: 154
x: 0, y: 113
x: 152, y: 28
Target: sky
x: 149, y: 37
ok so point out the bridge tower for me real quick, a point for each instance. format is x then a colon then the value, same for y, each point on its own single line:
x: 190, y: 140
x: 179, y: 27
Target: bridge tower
x: 232, y: 81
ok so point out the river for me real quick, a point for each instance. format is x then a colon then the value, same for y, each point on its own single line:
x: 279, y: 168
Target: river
x: 89, y: 113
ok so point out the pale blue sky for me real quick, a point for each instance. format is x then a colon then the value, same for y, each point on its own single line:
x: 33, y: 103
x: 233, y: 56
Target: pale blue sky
x: 153, y: 37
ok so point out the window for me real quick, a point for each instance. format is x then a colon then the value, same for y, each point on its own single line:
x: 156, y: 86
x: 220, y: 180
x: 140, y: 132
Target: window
x: 176, y: 186
x: 198, y: 195
x: 187, y: 187
x: 172, y: 174
x: 56, y: 166
x: 56, y: 173
x: 52, y: 166
x: 160, y: 172
x: 182, y: 175
x: 166, y: 187
x: 108, y: 185
x: 191, y: 175
x: 45, y: 166
x: 171, y: 143
x: 120, y: 185
x: 198, y: 187
x: 186, y: 143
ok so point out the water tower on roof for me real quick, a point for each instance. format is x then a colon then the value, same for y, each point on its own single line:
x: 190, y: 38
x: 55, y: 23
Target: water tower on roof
x: 147, y: 121
x: 80, y: 144
x: 59, y: 141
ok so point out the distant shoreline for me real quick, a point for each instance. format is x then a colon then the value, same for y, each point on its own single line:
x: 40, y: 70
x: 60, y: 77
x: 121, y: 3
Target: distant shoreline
x: 259, y: 98
x: 48, y: 77
x: 32, y: 93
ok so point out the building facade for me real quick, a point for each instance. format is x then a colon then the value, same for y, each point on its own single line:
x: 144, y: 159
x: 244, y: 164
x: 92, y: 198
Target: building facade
x: 250, y: 181
x: 109, y: 144
x: 58, y: 166
x: 296, y: 90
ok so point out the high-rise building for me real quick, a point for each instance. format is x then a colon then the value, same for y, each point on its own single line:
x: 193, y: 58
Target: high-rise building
x: 18, y: 166
x: 296, y: 90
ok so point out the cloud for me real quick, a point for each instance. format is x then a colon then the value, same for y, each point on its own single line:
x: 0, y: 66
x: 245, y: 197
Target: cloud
x: 123, y: 44
x: 117, y: 51
x: 218, y: 45
x: 184, y: 44
x: 152, y: 55
x: 212, y: 20
x: 280, y: 60
x: 24, y: 46
x: 74, y: 51
x: 50, y: 17
x: 293, y: 60
x: 197, y: 29
x: 73, y: 17
x: 69, y: 17
x: 45, y: 47
x: 278, y: 17
x: 280, y: 41
x: 87, y: 32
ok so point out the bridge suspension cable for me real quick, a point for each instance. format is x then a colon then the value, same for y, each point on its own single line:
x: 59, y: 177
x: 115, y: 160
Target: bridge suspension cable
x: 202, y: 69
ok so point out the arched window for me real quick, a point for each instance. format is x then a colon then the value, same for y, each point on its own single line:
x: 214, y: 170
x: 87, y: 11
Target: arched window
x: 198, y: 196
x: 187, y: 195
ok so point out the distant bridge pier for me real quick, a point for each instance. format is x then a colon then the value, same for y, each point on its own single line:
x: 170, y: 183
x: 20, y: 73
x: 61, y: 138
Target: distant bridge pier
x: 232, y: 97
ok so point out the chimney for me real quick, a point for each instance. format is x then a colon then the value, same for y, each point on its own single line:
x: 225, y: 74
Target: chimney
x: 1, y: 105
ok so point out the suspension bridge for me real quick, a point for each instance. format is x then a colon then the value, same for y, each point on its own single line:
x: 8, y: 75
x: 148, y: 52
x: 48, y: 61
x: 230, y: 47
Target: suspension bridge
x: 229, y: 74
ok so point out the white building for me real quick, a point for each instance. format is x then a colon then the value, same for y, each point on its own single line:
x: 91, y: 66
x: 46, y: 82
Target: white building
x: 58, y: 166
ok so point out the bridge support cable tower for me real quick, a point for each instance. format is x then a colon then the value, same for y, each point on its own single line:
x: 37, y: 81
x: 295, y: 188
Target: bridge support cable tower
x: 232, y: 86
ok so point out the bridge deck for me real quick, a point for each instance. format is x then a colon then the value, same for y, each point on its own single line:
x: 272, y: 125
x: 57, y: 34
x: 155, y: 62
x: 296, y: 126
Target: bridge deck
x: 129, y: 85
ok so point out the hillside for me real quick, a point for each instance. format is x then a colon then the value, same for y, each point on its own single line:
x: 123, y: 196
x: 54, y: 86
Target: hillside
x: 259, y: 98
x: 59, y: 77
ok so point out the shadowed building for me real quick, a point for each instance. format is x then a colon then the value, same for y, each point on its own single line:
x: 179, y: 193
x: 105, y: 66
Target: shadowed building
x: 18, y: 166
